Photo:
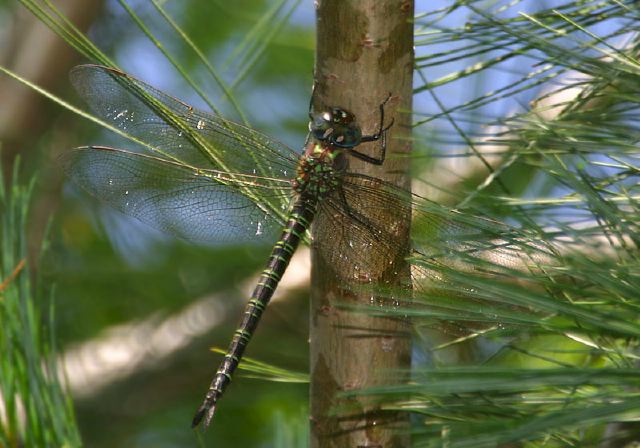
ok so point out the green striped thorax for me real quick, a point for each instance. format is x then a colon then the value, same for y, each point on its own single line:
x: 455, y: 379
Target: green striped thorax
x: 331, y: 132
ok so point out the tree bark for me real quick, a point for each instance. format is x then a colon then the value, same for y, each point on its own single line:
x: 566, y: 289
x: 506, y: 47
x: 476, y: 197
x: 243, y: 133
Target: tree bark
x: 364, y: 53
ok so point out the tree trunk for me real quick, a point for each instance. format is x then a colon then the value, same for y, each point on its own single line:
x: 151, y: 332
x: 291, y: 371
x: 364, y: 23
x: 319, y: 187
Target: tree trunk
x: 364, y: 53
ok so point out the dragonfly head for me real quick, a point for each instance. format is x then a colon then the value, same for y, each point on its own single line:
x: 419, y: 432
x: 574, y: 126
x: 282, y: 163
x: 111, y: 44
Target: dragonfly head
x: 337, y: 127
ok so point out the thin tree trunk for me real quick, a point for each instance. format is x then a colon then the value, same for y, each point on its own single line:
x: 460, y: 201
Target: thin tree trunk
x: 34, y: 52
x: 364, y: 52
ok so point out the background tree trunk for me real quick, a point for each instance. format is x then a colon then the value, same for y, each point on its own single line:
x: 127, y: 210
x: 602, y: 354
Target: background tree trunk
x: 364, y: 52
x: 33, y: 51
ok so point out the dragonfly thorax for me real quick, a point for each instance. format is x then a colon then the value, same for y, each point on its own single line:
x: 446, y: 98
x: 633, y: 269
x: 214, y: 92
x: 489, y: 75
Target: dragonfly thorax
x: 316, y: 172
x: 337, y: 127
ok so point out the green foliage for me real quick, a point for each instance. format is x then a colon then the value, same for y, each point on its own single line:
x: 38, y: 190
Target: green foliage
x: 35, y: 409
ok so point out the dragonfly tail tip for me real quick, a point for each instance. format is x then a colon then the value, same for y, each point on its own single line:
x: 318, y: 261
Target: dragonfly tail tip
x: 205, y: 412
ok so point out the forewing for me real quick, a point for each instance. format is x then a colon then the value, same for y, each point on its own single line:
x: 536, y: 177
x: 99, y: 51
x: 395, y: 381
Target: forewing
x: 178, y: 130
x: 194, y: 204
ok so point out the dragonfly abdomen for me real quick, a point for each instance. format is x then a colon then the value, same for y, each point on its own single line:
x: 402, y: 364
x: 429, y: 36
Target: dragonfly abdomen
x: 300, y: 218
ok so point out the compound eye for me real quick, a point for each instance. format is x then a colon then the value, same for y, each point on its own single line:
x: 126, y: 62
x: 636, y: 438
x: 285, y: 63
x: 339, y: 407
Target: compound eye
x: 336, y: 126
x: 340, y: 116
x: 348, y: 137
x: 352, y: 136
x: 321, y: 126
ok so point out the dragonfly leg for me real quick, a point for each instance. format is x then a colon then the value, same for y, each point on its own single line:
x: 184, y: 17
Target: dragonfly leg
x: 380, y: 135
x: 350, y: 213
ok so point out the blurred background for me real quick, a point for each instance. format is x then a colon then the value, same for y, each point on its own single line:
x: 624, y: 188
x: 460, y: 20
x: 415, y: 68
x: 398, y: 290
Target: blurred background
x: 136, y: 311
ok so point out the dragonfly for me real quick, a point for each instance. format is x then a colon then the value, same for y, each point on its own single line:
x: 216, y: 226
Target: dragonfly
x: 202, y: 177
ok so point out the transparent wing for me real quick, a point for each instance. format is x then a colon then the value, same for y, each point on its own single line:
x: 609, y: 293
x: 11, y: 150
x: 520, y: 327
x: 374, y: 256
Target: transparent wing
x: 191, y: 203
x: 178, y: 130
